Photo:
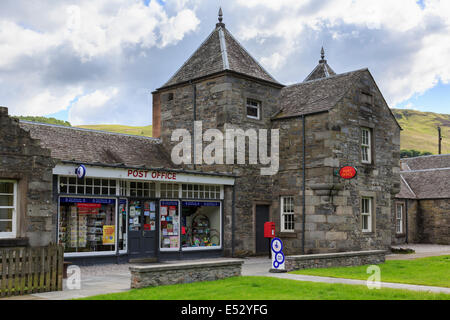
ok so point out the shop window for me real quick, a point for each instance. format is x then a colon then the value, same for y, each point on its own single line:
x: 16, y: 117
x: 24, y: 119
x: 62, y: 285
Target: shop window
x: 87, y: 186
x: 122, y: 240
x: 169, y: 225
x: 200, y: 224
x: 142, y: 189
x: 87, y: 224
x: 169, y: 190
x: 253, y: 109
x: 366, y: 145
x: 287, y: 214
x: 366, y: 214
x: 399, y: 218
x: 199, y: 191
x: 8, y: 209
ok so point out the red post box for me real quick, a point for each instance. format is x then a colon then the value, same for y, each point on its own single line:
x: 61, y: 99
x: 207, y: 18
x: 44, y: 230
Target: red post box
x: 269, y: 230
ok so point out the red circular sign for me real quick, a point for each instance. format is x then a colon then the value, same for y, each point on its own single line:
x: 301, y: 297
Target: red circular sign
x: 347, y: 172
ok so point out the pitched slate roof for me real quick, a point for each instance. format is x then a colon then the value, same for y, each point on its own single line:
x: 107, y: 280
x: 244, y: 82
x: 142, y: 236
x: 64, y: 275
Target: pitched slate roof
x: 315, y: 95
x: 426, y: 177
x: 99, y: 147
x: 219, y: 52
x: 426, y: 162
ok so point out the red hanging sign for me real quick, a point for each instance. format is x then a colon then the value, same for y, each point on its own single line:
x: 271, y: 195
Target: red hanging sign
x: 347, y: 172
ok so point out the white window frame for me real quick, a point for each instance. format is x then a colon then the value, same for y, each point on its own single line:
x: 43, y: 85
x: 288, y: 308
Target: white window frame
x: 258, y: 108
x: 366, y: 144
x: 13, y: 233
x: 366, y: 211
x: 284, y: 213
x: 399, y: 219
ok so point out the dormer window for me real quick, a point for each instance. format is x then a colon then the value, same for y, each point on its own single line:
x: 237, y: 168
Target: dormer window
x: 253, y: 109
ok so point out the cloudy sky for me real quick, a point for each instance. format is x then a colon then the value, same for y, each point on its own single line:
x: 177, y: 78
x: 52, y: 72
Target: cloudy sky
x: 94, y: 62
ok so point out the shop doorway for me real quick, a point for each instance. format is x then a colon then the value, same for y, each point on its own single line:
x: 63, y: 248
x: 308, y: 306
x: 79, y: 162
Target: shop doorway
x: 262, y: 216
x: 142, y: 232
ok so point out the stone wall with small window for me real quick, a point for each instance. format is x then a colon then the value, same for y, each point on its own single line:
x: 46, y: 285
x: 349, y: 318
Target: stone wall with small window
x: 359, y: 131
x: 27, y: 210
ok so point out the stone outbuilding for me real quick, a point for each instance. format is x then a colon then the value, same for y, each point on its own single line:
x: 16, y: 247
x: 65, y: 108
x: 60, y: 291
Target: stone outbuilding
x: 27, y: 211
x: 423, y: 205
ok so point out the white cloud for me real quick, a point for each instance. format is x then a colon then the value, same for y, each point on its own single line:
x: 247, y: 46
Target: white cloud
x: 90, y: 107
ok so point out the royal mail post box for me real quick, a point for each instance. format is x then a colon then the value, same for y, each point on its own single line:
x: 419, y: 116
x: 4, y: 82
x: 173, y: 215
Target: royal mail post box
x: 269, y: 230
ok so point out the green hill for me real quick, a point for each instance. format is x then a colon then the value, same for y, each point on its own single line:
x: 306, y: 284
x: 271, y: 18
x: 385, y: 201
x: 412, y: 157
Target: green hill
x: 138, y: 131
x: 420, y: 130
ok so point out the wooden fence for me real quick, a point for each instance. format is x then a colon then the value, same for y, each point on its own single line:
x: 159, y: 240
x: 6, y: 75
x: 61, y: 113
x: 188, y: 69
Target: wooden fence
x: 31, y: 270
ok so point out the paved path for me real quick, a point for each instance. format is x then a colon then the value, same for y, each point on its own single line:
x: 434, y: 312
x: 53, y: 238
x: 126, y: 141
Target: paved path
x: 421, y: 251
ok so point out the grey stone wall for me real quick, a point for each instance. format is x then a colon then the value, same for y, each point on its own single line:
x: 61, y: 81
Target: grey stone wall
x: 330, y: 260
x: 186, y: 272
x: 435, y: 221
x: 23, y: 160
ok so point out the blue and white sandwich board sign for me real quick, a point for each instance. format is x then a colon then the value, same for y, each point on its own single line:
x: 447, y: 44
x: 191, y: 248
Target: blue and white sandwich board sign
x: 276, y: 247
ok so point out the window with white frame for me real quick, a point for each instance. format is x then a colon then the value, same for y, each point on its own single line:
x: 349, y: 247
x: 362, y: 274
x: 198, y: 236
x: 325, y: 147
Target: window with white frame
x: 200, y: 191
x: 399, y: 218
x: 253, y: 109
x: 87, y: 186
x: 366, y: 148
x: 169, y: 190
x: 366, y: 214
x: 8, y: 208
x: 142, y: 189
x: 287, y: 214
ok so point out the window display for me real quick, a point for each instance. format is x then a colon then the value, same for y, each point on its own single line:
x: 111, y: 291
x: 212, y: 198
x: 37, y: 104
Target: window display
x: 122, y: 241
x: 87, y: 224
x: 200, y: 224
x: 169, y: 222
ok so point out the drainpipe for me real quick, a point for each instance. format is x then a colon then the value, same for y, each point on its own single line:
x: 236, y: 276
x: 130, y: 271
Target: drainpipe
x: 233, y: 218
x: 406, y: 220
x: 304, y: 183
x: 194, y: 103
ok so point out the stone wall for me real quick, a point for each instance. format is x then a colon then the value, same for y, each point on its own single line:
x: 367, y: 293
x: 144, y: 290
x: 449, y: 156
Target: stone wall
x: 329, y: 260
x: 23, y: 160
x: 435, y: 221
x: 185, y: 272
x: 428, y: 222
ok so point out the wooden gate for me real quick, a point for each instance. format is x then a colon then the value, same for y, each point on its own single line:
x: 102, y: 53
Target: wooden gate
x: 31, y: 270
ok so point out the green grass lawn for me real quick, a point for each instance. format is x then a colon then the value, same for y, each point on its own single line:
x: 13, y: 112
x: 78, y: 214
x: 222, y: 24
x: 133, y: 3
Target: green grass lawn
x: 266, y: 288
x: 432, y: 271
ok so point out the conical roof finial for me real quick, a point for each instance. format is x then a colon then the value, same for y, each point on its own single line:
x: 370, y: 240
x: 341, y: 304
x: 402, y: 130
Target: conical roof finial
x: 220, y: 24
x: 220, y: 15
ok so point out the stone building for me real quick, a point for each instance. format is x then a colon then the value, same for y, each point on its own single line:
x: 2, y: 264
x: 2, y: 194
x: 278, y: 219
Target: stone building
x: 27, y: 211
x: 422, y: 207
x: 325, y: 122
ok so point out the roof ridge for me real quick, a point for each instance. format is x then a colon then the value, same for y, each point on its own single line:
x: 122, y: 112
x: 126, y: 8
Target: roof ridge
x: 89, y: 130
x: 327, y: 78
x: 425, y: 170
x: 427, y: 156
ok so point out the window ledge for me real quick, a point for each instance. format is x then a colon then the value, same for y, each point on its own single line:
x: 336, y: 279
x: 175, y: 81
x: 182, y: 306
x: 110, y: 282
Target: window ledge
x: 17, y: 242
x: 287, y: 234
